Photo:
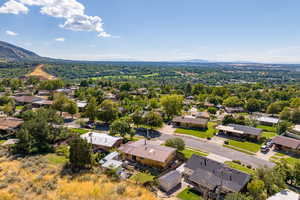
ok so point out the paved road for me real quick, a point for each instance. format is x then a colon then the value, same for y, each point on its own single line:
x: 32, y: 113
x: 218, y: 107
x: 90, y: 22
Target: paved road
x: 221, y: 151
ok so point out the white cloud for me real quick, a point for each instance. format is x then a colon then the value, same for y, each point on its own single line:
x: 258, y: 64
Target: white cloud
x: 71, y: 10
x: 104, y: 34
x: 11, y: 33
x: 61, y: 39
x: 13, y: 7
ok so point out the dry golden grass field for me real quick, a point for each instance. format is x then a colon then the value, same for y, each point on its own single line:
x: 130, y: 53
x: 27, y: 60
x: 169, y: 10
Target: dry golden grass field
x: 41, y: 178
x: 39, y: 72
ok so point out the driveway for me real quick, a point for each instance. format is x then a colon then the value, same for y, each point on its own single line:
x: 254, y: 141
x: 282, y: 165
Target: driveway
x: 219, y: 150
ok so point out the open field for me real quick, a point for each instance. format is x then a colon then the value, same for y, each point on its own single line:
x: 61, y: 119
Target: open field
x: 38, y: 71
x: 43, y: 178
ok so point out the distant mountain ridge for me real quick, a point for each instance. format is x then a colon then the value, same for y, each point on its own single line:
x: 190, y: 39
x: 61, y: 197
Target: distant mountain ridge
x: 14, y: 53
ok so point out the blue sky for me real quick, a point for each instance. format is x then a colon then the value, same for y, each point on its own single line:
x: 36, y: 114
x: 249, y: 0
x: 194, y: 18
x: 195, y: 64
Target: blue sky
x: 157, y: 30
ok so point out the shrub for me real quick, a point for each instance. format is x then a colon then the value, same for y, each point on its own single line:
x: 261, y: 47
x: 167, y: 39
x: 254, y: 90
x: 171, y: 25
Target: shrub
x: 226, y: 142
x: 237, y: 162
x: 120, y: 189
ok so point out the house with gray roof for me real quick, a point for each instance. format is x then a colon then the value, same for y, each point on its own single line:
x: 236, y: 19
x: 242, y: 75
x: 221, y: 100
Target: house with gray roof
x: 268, y: 121
x: 170, y: 180
x: 240, y: 131
x: 212, y: 178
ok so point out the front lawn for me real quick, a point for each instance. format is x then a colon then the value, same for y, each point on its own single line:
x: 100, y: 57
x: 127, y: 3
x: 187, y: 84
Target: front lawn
x: 284, y: 157
x: 142, y: 178
x: 267, y: 128
x: 189, y: 194
x: 248, y: 146
x: 239, y: 167
x: 238, y: 149
x: 189, y: 152
x: 268, y: 135
x: 209, y: 133
x: 79, y: 130
x: 2, y: 141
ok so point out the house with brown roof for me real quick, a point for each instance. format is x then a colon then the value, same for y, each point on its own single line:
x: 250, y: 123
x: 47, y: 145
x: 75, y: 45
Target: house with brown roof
x: 190, y: 122
x: 9, y: 125
x: 148, y: 153
x: 287, y: 144
x: 23, y: 100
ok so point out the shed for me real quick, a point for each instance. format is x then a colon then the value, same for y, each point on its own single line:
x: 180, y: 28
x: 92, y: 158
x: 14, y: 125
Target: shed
x: 170, y: 180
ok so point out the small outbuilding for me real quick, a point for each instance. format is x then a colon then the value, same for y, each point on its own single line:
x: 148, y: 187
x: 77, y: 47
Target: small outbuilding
x: 170, y: 180
x: 189, y: 122
x: 268, y: 121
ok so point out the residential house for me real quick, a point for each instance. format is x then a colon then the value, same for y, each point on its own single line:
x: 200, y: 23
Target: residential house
x: 170, y: 180
x: 102, y: 141
x: 42, y: 103
x: 9, y: 125
x: 234, y: 109
x: 23, y: 100
x: 285, y: 195
x: 81, y: 105
x: 213, y: 179
x: 44, y: 93
x: 190, y: 122
x: 148, y: 153
x: 287, y: 144
x: 268, y: 121
x: 240, y: 131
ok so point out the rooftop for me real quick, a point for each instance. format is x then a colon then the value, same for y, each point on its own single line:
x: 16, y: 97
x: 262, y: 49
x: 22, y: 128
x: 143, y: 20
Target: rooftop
x: 240, y: 129
x: 287, y: 142
x: 10, y: 123
x: 100, y: 139
x: 190, y: 120
x: 268, y: 119
x: 212, y: 174
x: 147, y: 149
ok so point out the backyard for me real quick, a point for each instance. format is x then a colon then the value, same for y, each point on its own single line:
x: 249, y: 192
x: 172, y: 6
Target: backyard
x: 267, y: 128
x: 189, y: 194
x: 209, y: 133
x: 142, y: 178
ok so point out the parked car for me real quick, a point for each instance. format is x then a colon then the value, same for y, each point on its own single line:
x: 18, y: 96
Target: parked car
x: 264, y: 149
x: 269, y: 144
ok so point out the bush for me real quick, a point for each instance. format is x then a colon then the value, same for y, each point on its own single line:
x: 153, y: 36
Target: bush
x: 237, y: 162
x: 120, y: 189
x: 226, y: 142
x: 249, y: 166
x: 176, y: 143
x: 62, y: 150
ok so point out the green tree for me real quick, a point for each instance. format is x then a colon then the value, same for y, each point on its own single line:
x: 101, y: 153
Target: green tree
x: 233, y: 102
x: 108, y: 111
x: 295, y: 116
x: 72, y: 108
x: 80, y: 154
x: 137, y: 118
x: 285, y: 114
x: 121, y: 127
x: 282, y: 127
x: 24, y: 146
x: 91, y: 109
x: 176, y: 143
x: 60, y: 102
x: 172, y: 104
x: 212, y: 110
x: 153, y: 120
x: 237, y: 196
x: 256, y: 189
x: 188, y: 89
x: 253, y: 105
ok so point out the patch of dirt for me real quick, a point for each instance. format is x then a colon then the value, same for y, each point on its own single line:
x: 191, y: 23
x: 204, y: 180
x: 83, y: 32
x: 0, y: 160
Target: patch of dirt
x: 39, y: 72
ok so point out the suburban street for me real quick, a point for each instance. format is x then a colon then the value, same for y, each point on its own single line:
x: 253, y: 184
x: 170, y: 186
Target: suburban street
x: 220, y: 151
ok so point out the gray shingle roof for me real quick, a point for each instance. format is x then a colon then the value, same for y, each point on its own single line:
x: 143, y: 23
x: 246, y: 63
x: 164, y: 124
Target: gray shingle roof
x: 246, y: 129
x: 210, y: 173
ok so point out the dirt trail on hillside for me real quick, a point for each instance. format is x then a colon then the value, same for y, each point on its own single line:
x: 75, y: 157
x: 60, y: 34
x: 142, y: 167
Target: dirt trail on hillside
x: 39, y: 72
